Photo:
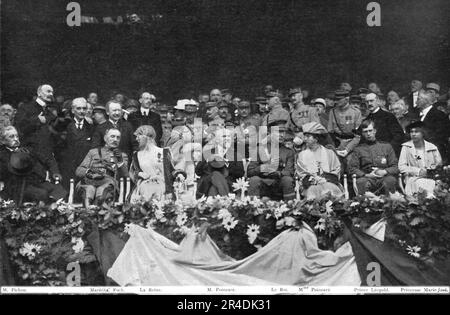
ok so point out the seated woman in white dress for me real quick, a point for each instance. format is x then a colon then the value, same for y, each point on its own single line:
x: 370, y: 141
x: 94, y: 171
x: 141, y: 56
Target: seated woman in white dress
x: 151, y: 169
x: 418, y: 159
x: 318, y: 167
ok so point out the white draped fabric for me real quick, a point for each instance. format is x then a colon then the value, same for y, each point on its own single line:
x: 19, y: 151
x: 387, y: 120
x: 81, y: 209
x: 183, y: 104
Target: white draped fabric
x: 291, y: 258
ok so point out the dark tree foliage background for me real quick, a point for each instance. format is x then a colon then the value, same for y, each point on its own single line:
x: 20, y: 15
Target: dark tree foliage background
x: 237, y: 44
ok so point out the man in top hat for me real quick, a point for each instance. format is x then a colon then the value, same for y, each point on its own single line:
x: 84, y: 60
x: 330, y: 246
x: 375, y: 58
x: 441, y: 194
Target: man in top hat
x: 388, y: 128
x: 33, y: 121
x: 273, y: 172
x: 24, y: 171
x: 128, y: 143
x: 343, y: 120
x: 301, y: 114
x: 76, y: 143
x: 374, y: 162
x: 145, y: 116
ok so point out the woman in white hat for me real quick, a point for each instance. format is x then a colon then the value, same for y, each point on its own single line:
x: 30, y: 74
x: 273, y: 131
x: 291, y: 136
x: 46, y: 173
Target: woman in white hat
x: 318, y: 167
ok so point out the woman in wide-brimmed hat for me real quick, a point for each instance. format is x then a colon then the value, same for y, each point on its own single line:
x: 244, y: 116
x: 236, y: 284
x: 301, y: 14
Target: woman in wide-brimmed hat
x: 318, y: 167
x: 417, y: 161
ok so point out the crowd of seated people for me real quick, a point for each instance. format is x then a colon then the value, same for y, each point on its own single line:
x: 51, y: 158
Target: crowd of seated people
x: 284, y: 144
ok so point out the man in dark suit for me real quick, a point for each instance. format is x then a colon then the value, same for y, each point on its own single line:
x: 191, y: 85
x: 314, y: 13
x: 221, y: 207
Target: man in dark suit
x: 388, y: 128
x: 144, y: 116
x: 33, y: 119
x: 24, y: 171
x: 128, y: 143
x: 436, y: 123
x: 76, y: 142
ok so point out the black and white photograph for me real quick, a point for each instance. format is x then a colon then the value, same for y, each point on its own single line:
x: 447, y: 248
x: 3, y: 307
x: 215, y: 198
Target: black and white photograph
x: 225, y: 147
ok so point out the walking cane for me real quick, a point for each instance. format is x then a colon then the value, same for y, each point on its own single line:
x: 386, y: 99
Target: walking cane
x: 22, y: 191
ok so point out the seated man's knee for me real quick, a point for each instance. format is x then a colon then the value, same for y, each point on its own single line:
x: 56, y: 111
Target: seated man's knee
x: 287, y: 181
x: 58, y: 192
x: 363, y: 185
x: 33, y: 193
x: 255, y: 180
x: 390, y: 183
x: 287, y: 186
x: 254, y: 186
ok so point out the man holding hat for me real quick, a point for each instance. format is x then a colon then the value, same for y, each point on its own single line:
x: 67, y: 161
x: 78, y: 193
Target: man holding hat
x: 213, y: 177
x: 24, y: 171
x: 302, y: 113
x: 131, y: 106
x: 145, y: 116
x: 33, y: 121
x: 274, y: 170
x: 343, y: 120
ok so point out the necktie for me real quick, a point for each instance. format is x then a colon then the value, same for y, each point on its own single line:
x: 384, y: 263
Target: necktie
x: 79, y: 125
